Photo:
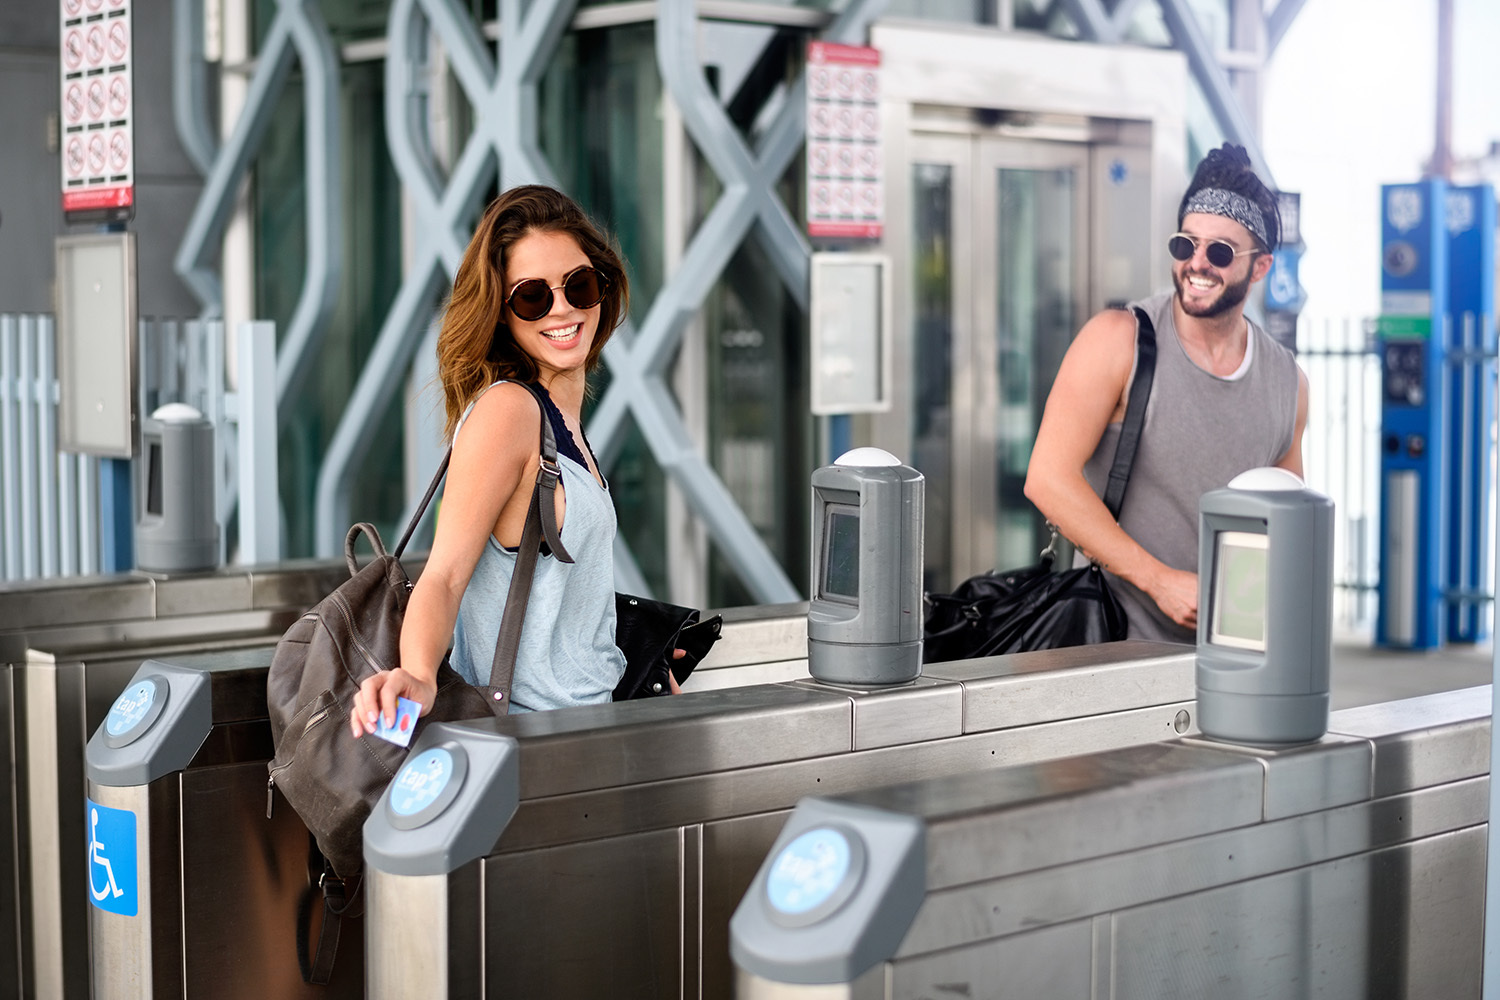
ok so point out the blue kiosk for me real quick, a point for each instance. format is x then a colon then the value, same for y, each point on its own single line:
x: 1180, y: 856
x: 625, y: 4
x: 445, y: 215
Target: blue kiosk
x: 1436, y: 343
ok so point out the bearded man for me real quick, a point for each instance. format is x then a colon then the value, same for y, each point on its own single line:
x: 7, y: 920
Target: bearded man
x: 1225, y: 397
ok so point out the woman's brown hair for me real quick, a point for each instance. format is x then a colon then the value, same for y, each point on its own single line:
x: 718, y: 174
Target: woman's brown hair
x: 475, y: 348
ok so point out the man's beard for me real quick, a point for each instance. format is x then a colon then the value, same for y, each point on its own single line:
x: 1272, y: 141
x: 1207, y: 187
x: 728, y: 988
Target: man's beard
x: 1230, y: 296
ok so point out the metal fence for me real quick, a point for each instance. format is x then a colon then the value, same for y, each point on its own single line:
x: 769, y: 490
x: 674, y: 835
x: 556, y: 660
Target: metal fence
x: 1341, y: 451
x: 49, y: 501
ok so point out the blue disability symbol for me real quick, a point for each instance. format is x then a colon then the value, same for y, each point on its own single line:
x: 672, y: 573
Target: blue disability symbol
x: 112, y: 881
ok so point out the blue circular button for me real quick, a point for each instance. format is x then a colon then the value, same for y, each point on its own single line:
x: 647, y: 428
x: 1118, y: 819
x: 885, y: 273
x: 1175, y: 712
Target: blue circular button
x: 808, y: 871
x: 421, y: 781
x: 130, y: 708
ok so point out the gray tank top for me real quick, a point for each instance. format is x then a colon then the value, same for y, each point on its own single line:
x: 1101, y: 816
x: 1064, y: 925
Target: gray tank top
x: 1201, y: 431
x: 567, y: 654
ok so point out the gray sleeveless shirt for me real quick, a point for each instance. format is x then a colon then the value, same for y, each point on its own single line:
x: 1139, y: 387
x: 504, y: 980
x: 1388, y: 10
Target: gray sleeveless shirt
x: 1201, y: 431
x: 567, y: 654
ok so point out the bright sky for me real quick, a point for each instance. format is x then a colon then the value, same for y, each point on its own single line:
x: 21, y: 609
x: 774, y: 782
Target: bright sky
x: 1349, y: 106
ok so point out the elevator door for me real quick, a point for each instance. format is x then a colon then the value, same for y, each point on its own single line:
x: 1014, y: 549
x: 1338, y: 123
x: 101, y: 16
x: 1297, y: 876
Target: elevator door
x: 1000, y: 283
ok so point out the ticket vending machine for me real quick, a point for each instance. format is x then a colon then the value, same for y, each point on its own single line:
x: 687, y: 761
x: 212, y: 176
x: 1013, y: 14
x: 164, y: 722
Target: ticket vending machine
x: 1413, y: 436
x: 1470, y: 218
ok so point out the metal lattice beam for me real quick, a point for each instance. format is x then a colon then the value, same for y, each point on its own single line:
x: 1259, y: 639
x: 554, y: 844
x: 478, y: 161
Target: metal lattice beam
x: 297, y: 32
x: 1096, y: 24
x: 504, y: 137
x: 748, y: 205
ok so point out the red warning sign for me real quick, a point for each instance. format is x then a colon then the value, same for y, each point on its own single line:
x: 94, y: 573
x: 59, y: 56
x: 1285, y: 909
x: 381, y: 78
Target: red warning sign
x: 845, y: 185
x: 97, y: 161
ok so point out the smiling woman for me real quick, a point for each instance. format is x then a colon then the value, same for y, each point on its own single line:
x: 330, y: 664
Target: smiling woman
x: 539, y: 292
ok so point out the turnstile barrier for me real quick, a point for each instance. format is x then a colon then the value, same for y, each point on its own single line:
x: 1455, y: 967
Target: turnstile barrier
x: 1345, y: 868
x: 640, y: 824
x: 192, y: 889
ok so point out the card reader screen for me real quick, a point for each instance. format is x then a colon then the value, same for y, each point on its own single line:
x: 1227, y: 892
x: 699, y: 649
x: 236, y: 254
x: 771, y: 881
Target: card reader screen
x: 1239, y: 592
x: 841, y: 554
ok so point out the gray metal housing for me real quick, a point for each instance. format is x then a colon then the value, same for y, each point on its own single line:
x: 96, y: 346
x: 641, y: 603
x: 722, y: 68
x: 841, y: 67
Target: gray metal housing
x: 862, y: 932
x: 467, y: 827
x: 878, y: 638
x: 1281, y: 695
x: 166, y: 743
x: 178, y: 529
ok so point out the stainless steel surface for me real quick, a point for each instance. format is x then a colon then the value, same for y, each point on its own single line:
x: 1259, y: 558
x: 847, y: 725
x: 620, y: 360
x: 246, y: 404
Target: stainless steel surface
x: 871, y: 986
x: 75, y: 600
x: 605, y: 746
x: 759, y: 634
x: 132, y: 956
x: 1191, y: 869
x: 63, y: 698
x: 1026, y: 688
x: 201, y: 593
x: 240, y: 879
x: 1405, y: 922
x: 586, y: 920
x: 664, y: 810
x: 1406, y: 755
x: 407, y: 936
x: 11, y: 941
x: 632, y: 808
x: 1334, y: 771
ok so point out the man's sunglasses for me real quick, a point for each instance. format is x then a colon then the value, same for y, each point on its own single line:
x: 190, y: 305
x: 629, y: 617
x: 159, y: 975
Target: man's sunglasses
x: 532, y: 299
x: 1220, y: 254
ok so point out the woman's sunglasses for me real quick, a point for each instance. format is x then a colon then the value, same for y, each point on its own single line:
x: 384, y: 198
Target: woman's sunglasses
x: 532, y: 299
x: 1220, y: 254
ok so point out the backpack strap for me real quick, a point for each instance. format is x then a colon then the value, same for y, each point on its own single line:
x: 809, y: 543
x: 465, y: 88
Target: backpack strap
x: 541, y: 520
x: 1135, y: 413
x: 317, y: 969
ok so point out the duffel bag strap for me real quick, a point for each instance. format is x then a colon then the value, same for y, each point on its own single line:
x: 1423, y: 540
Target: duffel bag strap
x: 1135, y: 413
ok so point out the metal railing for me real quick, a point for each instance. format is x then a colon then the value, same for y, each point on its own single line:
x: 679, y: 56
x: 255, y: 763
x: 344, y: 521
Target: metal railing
x: 1341, y: 452
x: 49, y: 500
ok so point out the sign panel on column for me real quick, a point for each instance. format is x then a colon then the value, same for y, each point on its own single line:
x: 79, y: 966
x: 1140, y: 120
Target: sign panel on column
x: 845, y: 172
x: 98, y: 139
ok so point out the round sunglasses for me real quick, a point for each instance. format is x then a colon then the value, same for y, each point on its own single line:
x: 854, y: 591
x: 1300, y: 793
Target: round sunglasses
x: 1220, y: 254
x: 583, y: 287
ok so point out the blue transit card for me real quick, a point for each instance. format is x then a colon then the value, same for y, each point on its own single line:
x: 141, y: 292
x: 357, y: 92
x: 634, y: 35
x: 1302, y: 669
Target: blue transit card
x: 399, y: 732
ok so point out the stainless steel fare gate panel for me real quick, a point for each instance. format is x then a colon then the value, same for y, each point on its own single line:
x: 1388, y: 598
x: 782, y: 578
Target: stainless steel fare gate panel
x: 1347, y: 868
x: 191, y: 890
x: 67, y: 646
x: 640, y: 825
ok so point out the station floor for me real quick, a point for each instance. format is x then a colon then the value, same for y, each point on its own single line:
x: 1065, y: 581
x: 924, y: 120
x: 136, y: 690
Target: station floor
x: 1364, y: 675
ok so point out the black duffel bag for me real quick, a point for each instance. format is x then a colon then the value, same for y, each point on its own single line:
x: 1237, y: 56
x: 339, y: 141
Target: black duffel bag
x: 1018, y: 610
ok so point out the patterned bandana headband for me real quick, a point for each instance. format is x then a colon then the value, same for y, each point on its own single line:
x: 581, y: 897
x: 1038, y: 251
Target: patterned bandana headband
x: 1217, y: 201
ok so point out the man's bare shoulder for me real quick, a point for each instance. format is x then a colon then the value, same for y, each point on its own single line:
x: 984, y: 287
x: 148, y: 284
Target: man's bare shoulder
x: 1105, y: 347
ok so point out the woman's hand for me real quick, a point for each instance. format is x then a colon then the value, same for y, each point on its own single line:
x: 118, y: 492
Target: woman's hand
x: 677, y: 654
x: 377, y: 696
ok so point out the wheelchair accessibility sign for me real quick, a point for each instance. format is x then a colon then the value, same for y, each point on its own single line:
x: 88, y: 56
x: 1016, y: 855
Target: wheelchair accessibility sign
x: 112, y: 870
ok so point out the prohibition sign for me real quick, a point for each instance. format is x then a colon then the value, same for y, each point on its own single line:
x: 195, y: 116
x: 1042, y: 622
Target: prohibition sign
x: 73, y: 103
x: 73, y: 49
x: 94, y: 4
x: 119, y: 96
x: 95, y: 101
x: 74, y: 159
x: 96, y: 154
x: 119, y: 41
x: 119, y: 151
x: 71, y: 8
x: 93, y: 46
